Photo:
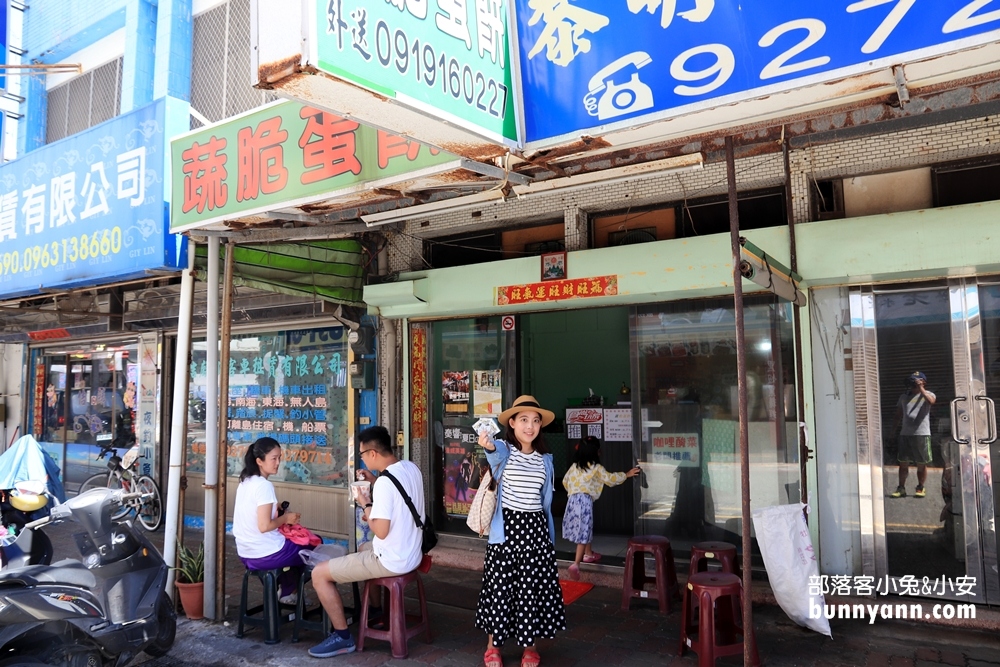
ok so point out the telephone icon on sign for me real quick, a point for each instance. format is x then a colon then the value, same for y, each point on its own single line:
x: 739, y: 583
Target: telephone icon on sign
x: 607, y: 99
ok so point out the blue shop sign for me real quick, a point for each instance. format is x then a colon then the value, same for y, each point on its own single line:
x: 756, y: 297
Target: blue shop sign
x: 594, y: 63
x: 89, y: 209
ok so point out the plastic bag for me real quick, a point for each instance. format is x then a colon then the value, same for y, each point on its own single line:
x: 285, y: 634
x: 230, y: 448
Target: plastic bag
x: 785, y: 545
x: 321, y: 554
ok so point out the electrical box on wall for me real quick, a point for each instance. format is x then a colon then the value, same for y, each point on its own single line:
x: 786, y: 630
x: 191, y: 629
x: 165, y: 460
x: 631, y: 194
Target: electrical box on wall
x: 362, y: 340
x: 362, y: 374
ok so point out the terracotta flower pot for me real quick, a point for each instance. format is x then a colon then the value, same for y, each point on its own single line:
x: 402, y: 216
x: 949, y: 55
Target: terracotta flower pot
x: 192, y: 599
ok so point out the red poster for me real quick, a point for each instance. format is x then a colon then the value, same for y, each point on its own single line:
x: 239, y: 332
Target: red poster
x: 557, y: 290
x: 418, y: 382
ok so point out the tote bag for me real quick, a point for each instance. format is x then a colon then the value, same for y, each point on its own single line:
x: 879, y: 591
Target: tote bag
x: 484, y: 505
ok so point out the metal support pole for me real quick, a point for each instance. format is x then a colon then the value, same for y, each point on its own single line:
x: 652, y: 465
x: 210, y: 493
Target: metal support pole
x: 178, y: 423
x: 211, y: 434
x: 800, y: 406
x: 741, y: 375
x: 224, y: 338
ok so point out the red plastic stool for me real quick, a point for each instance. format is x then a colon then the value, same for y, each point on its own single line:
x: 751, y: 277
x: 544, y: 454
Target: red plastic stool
x: 702, y: 552
x: 397, y: 633
x: 635, y: 580
x: 703, y: 592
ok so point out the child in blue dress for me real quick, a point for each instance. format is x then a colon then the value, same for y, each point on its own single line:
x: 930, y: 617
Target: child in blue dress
x: 584, y: 481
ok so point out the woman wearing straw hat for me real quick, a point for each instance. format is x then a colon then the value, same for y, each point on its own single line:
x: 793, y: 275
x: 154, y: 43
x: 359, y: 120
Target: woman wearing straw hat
x: 521, y: 597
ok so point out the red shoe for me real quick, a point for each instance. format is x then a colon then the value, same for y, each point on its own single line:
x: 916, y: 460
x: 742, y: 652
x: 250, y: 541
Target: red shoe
x: 592, y: 557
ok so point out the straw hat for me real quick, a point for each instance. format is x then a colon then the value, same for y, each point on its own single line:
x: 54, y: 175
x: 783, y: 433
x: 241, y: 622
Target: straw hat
x: 525, y: 404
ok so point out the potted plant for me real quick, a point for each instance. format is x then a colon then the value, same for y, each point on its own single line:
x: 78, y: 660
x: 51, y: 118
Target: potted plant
x: 191, y: 581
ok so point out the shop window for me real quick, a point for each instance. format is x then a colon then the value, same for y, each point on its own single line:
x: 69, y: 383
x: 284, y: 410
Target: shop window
x: 288, y: 385
x: 758, y: 209
x: 465, y: 382
x: 826, y: 199
x: 642, y: 226
x: 890, y: 192
x: 687, y: 395
x: 965, y: 183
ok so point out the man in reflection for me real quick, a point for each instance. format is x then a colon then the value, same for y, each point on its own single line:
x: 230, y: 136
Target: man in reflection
x: 913, y: 417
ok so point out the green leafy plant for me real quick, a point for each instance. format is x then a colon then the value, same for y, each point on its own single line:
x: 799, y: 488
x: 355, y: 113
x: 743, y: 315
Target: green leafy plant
x: 192, y: 569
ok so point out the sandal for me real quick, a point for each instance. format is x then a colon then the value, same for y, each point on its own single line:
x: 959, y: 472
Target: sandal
x: 493, y: 658
x: 592, y: 557
x: 530, y: 658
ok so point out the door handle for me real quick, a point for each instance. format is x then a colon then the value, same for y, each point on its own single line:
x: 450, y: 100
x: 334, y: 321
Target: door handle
x: 954, y: 421
x: 991, y: 419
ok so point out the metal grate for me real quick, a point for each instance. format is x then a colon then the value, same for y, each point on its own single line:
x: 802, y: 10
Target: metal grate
x: 85, y: 101
x: 220, y: 69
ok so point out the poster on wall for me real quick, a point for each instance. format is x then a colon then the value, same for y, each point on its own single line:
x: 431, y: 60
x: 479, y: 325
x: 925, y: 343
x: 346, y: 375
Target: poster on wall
x: 677, y: 448
x: 618, y: 424
x: 455, y: 391
x: 464, y: 465
x: 487, y: 395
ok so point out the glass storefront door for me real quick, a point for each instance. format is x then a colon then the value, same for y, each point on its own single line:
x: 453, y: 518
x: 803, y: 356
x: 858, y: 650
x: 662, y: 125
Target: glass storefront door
x: 84, y: 398
x: 686, y: 424
x: 926, y: 366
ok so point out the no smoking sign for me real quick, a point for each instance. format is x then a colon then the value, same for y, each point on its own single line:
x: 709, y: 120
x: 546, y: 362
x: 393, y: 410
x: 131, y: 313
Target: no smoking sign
x: 507, y: 322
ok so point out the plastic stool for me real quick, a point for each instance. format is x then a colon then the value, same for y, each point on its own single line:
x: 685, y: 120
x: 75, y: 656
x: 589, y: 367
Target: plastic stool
x: 397, y: 633
x: 267, y: 615
x: 635, y: 580
x: 322, y: 624
x: 703, y: 592
x: 702, y: 552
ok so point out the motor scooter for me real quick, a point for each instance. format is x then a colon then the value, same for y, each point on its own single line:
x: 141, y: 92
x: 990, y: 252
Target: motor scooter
x: 100, y: 612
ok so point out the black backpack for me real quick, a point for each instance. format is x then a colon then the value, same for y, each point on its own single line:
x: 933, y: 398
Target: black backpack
x: 430, y: 535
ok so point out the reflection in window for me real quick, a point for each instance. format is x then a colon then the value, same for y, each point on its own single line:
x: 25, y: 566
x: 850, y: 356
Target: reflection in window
x: 287, y: 385
x: 690, y: 425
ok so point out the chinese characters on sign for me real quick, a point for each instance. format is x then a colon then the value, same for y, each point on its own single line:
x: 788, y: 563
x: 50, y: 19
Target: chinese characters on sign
x: 87, y: 208
x: 281, y: 153
x: 418, y: 382
x: 680, y: 448
x: 290, y: 386
x: 588, y: 63
x: 450, y: 55
x: 557, y: 290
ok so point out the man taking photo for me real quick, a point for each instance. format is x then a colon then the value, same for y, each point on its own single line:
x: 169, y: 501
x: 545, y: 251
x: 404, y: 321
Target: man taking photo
x: 394, y: 550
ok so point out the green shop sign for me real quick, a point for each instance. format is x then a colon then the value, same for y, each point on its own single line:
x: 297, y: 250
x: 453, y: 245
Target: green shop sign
x: 283, y: 155
x: 447, y: 58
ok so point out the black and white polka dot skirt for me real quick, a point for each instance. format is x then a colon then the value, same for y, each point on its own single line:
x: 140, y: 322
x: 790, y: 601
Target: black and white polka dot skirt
x: 521, y: 597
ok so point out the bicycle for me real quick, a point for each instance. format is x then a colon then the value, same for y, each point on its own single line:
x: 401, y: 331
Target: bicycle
x: 123, y: 473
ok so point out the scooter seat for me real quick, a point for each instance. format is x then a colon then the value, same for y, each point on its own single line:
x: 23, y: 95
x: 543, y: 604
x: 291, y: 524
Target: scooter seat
x: 69, y: 572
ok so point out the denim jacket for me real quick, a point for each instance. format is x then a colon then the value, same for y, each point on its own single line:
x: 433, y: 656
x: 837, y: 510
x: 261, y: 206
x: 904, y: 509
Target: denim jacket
x: 498, y: 461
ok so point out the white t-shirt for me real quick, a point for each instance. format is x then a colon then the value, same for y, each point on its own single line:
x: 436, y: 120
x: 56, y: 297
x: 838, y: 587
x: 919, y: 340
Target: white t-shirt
x: 250, y: 542
x: 400, y: 551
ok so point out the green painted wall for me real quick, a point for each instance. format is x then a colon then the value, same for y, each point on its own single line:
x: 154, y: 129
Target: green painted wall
x: 918, y: 244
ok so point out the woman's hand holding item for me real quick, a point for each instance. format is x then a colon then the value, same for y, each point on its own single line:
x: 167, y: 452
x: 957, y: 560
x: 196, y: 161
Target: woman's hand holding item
x: 633, y: 472
x: 291, y: 517
x: 486, y: 442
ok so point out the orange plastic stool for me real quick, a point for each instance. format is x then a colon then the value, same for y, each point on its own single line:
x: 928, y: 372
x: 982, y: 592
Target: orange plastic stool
x: 394, y: 613
x: 702, y: 552
x: 635, y: 580
x: 703, y: 592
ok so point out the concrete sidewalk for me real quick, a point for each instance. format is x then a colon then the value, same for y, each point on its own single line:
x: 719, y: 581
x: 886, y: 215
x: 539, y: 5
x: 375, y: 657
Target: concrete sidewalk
x: 599, y: 632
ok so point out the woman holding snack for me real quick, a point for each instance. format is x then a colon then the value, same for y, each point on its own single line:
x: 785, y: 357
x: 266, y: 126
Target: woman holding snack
x: 259, y: 543
x: 521, y: 597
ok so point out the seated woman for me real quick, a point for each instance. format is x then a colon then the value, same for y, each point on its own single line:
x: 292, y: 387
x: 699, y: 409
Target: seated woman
x: 259, y: 543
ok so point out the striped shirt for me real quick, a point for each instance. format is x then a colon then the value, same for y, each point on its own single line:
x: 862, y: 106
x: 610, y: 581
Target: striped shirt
x: 522, y: 480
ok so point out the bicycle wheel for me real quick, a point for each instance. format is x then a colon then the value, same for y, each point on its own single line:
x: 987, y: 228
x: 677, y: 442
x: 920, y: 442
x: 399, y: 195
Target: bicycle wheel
x: 98, y: 481
x: 151, y: 509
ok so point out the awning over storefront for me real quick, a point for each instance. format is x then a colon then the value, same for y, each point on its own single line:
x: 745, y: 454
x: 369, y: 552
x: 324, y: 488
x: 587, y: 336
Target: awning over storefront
x: 330, y: 270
